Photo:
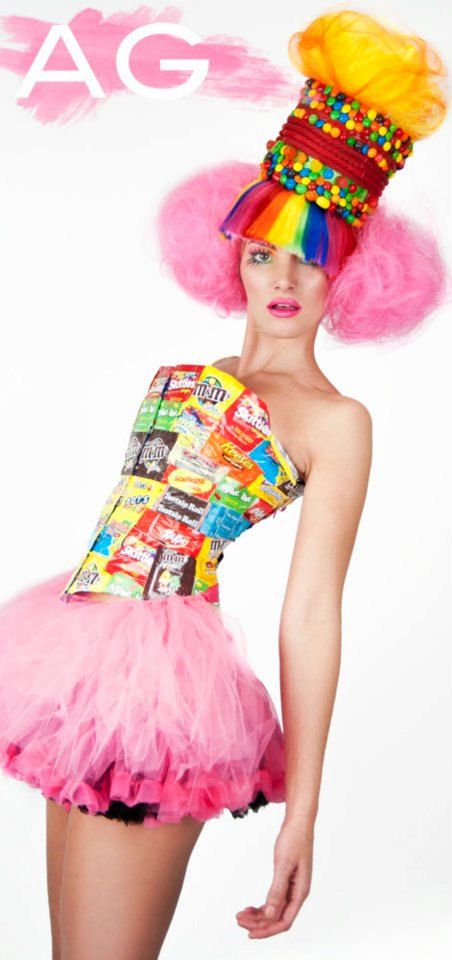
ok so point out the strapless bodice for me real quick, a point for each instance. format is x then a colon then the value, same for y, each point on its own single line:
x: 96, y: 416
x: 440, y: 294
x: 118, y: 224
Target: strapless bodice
x: 202, y: 466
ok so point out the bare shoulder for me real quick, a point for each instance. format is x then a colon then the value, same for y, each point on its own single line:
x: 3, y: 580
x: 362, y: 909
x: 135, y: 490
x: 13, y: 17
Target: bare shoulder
x: 341, y: 413
x: 336, y: 432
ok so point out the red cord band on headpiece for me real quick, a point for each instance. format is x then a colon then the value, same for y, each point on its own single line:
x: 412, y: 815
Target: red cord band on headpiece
x: 299, y: 133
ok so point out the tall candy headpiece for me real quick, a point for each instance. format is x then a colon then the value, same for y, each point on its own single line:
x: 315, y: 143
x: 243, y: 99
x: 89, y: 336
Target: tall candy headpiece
x: 336, y: 151
x: 326, y: 170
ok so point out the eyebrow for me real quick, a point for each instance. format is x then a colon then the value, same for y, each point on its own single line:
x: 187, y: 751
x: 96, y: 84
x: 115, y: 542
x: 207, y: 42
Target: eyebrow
x: 263, y: 243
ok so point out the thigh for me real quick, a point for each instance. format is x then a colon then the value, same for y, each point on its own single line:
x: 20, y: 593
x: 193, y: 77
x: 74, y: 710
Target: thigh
x: 57, y: 818
x: 120, y: 886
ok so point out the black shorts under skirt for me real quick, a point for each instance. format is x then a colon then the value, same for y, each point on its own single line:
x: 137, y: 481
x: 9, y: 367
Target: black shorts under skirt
x: 136, y: 814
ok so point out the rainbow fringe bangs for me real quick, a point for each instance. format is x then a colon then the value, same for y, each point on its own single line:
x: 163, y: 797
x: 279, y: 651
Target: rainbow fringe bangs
x: 265, y: 210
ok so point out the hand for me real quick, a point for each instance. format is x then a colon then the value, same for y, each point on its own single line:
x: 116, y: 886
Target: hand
x: 291, y: 883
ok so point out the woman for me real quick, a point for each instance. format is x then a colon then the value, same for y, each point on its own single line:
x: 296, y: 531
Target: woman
x: 130, y: 715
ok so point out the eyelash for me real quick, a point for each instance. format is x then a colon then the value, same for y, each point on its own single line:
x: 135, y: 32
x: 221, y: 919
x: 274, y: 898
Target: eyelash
x: 253, y: 261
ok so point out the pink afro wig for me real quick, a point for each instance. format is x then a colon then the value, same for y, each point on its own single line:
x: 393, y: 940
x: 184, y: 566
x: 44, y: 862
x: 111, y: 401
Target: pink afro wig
x: 393, y: 278
x: 205, y: 264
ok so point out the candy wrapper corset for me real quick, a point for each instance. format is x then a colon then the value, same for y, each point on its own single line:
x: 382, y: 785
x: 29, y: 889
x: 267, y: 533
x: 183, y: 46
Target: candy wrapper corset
x: 201, y: 467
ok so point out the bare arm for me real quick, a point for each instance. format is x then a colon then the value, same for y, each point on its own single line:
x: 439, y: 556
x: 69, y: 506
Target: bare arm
x: 310, y: 624
x: 310, y: 645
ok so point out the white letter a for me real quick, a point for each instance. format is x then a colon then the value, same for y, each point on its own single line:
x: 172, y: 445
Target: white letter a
x: 83, y: 74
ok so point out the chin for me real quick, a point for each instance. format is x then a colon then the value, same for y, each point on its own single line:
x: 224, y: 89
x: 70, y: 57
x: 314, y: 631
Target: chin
x: 281, y: 327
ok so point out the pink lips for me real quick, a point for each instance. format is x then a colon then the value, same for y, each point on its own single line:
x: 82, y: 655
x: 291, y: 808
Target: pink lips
x: 283, y: 307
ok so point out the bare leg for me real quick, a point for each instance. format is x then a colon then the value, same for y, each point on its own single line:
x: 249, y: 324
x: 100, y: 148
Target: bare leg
x: 120, y: 886
x: 57, y: 818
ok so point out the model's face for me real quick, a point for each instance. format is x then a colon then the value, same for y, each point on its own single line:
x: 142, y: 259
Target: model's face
x: 271, y: 275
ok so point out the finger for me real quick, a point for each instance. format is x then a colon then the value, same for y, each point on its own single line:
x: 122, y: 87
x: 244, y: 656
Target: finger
x: 248, y: 918
x: 270, y: 929
x: 294, y: 906
x: 251, y: 920
x: 257, y: 919
x: 250, y: 912
x: 249, y: 924
x: 277, y: 895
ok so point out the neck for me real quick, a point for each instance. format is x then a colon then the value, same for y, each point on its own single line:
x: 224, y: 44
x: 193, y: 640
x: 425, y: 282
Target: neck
x: 290, y: 356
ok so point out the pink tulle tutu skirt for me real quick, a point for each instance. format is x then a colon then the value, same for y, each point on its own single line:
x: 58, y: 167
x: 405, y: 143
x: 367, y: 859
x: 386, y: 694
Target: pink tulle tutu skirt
x: 144, y: 711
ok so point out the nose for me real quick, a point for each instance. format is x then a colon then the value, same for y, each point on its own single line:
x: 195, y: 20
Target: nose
x: 285, y: 282
x: 285, y: 275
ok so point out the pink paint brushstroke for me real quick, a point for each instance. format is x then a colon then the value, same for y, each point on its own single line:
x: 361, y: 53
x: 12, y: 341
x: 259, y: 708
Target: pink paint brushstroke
x: 236, y: 70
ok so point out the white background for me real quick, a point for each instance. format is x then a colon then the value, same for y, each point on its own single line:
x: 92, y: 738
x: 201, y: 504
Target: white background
x: 87, y: 317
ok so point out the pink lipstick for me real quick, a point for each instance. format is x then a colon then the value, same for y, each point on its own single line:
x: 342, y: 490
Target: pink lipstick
x: 283, y: 307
